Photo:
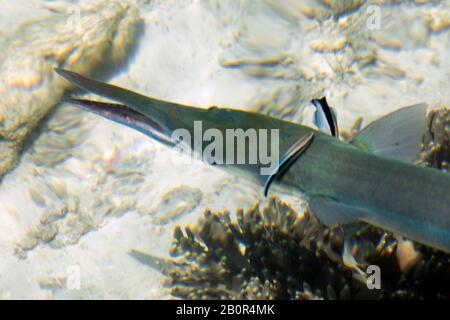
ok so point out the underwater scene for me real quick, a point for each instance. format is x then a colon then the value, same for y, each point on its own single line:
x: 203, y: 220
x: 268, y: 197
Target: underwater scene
x: 210, y: 149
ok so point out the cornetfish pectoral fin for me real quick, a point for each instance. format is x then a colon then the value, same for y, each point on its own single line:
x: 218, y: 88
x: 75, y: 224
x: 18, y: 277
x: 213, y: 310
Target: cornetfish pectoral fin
x: 289, y: 157
x: 398, y: 135
x: 331, y: 212
x: 124, y: 115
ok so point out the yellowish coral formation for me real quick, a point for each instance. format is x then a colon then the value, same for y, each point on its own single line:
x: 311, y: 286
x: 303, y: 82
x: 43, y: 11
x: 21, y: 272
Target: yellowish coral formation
x: 436, y: 142
x: 82, y: 41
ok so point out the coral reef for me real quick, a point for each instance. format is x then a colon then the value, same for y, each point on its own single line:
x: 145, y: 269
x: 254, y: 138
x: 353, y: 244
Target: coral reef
x: 278, y: 254
x: 29, y: 90
x: 436, y: 143
x: 256, y: 257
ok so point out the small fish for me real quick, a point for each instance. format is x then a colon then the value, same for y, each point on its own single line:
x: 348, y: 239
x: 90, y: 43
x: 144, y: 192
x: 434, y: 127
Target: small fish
x: 289, y: 158
x: 373, y: 178
x: 325, y: 117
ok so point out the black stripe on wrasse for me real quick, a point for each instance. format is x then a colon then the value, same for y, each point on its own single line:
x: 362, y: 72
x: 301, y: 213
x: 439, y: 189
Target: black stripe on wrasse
x: 289, y: 158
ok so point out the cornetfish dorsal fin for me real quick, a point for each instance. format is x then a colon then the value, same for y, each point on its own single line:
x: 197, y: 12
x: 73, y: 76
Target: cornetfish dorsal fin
x: 397, y: 135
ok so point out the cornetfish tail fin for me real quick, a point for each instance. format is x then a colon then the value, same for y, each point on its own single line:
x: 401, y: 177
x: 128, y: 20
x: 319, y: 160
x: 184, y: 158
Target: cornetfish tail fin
x: 289, y: 157
x: 325, y: 117
x: 124, y: 115
x: 397, y: 135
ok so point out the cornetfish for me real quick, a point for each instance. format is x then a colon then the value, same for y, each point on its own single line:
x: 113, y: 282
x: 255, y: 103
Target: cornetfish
x: 372, y: 178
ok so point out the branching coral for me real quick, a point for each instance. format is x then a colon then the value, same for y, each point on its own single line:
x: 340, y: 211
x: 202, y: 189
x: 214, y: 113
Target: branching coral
x: 277, y: 254
x: 256, y: 256
x: 436, y: 142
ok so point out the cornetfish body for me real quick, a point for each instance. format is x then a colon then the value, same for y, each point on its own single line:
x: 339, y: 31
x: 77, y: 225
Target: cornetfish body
x: 342, y: 181
x: 396, y: 196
